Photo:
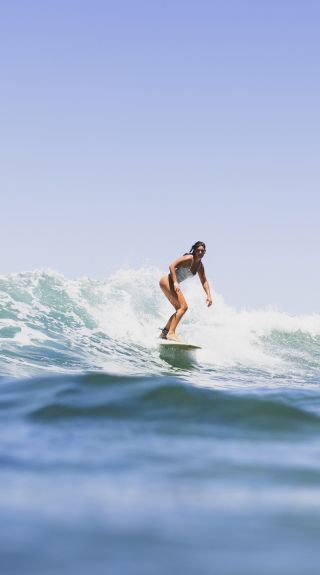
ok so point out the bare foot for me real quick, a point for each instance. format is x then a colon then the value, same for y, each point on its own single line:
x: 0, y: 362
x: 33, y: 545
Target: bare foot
x: 172, y: 336
x: 163, y: 333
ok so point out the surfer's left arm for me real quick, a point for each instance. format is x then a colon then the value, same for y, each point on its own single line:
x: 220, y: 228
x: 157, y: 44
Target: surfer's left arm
x: 205, y: 284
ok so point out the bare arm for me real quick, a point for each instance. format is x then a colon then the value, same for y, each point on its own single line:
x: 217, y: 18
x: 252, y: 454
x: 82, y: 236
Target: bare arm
x: 205, y: 284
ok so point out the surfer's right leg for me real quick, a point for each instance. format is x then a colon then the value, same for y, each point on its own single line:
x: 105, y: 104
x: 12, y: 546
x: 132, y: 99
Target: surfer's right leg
x: 175, y: 319
x: 166, y: 329
x: 179, y: 303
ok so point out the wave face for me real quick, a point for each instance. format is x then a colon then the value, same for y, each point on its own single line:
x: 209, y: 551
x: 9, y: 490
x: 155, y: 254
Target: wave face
x: 118, y: 458
x: 52, y: 323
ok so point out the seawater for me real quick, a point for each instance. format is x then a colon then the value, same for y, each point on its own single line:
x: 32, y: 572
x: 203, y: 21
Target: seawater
x: 117, y: 460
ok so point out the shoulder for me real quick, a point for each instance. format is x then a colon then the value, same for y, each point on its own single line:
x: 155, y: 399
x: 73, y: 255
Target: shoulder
x: 186, y: 259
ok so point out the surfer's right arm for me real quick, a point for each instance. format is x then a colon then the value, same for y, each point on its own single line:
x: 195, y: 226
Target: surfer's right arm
x: 174, y: 265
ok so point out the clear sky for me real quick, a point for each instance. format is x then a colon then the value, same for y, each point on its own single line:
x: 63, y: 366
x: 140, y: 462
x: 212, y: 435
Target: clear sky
x: 129, y: 129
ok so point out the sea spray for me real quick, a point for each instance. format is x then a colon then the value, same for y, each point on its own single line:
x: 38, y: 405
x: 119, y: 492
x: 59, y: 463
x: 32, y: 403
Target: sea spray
x: 52, y: 322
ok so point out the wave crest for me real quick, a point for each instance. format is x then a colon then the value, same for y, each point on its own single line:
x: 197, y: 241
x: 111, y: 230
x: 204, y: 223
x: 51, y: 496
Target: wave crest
x: 51, y: 322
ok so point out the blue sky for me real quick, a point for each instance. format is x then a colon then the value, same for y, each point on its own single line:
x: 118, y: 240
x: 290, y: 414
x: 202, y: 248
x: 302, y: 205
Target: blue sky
x: 131, y: 129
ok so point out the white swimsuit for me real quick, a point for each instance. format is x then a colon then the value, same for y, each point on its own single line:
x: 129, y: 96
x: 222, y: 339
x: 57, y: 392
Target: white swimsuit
x: 183, y: 274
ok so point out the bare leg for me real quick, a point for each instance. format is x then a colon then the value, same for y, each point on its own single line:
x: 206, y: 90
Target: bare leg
x: 177, y: 317
x: 168, y: 324
x: 179, y: 303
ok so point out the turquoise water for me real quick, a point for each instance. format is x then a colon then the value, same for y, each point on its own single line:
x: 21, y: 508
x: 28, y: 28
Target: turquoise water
x: 115, y: 459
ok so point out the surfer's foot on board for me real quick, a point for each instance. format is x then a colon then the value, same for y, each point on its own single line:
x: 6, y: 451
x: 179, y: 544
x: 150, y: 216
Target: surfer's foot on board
x: 172, y: 337
x: 164, y: 333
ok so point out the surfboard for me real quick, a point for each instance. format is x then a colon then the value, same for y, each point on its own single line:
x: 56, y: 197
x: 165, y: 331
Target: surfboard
x: 178, y: 344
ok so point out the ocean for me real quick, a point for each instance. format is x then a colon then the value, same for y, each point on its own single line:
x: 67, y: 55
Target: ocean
x: 118, y: 459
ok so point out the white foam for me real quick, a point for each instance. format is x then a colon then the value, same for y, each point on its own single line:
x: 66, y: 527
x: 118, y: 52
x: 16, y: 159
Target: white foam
x: 129, y: 307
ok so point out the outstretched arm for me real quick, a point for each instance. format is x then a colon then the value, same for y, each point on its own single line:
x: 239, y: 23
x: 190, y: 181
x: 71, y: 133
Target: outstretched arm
x: 205, y: 284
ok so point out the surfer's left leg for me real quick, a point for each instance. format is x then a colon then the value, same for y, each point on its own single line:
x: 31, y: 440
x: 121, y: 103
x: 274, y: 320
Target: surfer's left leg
x: 175, y: 319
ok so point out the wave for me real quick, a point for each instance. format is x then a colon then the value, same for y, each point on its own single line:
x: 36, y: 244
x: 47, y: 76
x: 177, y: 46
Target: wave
x: 164, y: 402
x: 52, y: 323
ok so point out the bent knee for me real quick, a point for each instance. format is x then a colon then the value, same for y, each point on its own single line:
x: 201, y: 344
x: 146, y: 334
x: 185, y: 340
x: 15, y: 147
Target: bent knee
x: 184, y: 308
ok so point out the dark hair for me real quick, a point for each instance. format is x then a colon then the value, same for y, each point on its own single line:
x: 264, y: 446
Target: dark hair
x: 195, y: 247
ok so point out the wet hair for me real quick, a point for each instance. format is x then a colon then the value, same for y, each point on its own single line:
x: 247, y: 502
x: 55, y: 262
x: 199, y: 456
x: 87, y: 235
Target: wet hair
x: 195, y: 247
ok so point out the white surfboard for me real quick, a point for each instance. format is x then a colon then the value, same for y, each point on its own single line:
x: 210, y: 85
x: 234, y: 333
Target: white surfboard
x: 168, y: 343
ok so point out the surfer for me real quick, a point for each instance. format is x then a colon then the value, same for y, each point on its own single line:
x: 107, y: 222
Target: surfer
x: 182, y: 268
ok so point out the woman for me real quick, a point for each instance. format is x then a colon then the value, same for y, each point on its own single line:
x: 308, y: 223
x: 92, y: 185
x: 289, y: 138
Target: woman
x: 184, y: 267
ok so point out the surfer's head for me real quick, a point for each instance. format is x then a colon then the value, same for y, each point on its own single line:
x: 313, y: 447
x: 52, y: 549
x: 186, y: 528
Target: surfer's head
x: 198, y: 249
